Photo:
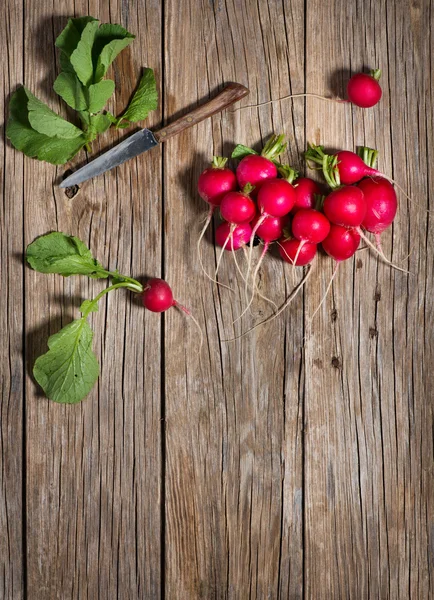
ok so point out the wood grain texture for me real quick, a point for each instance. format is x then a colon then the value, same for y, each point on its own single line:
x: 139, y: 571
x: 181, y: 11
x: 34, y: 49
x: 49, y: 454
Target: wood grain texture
x: 295, y: 462
x: 233, y: 413
x: 94, y: 470
x: 368, y: 518
x: 12, y: 533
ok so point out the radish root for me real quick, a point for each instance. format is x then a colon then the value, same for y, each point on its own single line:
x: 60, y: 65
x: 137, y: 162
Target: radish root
x: 339, y: 100
x: 335, y: 270
x: 373, y: 247
x: 281, y: 309
x: 187, y: 312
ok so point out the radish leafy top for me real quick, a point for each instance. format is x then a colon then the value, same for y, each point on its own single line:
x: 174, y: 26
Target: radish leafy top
x: 68, y: 371
x: 87, y: 49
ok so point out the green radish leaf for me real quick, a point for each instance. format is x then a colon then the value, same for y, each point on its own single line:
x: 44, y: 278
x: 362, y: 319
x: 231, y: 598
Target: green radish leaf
x: 68, y: 371
x: 37, y: 145
x: 44, y: 120
x: 144, y: 100
x: 88, y: 306
x: 69, y: 88
x: 81, y: 58
x: 109, y: 41
x: 241, y: 151
x: 64, y: 254
x: 99, y: 93
x: 98, y: 124
x: 69, y: 38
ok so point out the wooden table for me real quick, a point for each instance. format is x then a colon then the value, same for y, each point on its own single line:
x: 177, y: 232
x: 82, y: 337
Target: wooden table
x: 292, y: 463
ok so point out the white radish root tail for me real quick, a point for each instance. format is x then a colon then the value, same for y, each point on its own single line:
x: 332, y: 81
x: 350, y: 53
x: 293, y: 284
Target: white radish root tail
x: 255, y: 273
x: 244, y: 279
x: 404, y: 193
x: 306, y: 95
x: 187, y: 312
x: 377, y: 251
x: 281, y: 309
x: 202, y: 233
x: 335, y: 270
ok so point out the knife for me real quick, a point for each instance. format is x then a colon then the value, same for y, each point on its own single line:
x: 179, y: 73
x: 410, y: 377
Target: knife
x: 145, y: 139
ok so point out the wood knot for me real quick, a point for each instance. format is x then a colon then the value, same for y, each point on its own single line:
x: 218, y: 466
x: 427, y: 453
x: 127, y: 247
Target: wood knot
x: 336, y: 363
x: 318, y: 363
x: 334, y: 315
x: 72, y: 190
x: 373, y: 333
x: 359, y: 263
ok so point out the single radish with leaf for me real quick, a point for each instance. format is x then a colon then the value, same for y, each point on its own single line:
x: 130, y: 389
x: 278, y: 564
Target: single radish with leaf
x: 69, y: 370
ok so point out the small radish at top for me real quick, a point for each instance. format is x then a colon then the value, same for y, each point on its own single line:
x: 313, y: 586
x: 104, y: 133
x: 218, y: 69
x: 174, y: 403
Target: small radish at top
x: 216, y: 181
x: 363, y: 90
x: 254, y: 168
x: 232, y: 238
x: 238, y: 207
x: 345, y: 206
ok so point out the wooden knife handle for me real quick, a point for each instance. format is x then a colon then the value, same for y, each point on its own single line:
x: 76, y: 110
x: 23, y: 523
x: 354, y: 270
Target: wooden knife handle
x: 231, y: 93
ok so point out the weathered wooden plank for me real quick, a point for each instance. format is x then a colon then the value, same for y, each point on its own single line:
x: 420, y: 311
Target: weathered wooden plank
x: 94, y: 469
x: 369, y: 516
x: 11, y: 325
x: 233, y: 411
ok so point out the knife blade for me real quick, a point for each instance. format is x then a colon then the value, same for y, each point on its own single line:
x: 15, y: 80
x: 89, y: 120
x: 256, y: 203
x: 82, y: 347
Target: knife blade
x: 144, y: 140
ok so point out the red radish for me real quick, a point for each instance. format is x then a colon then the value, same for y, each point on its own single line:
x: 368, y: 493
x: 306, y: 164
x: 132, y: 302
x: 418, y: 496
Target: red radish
x: 309, y: 225
x: 381, y: 203
x: 238, y: 207
x: 270, y: 228
x: 216, y: 181
x: 239, y: 236
x: 364, y: 90
x: 276, y: 197
x: 254, y: 169
x: 158, y: 297
x: 297, y: 253
x: 344, y: 167
x: 341, y: 243
x: 345, y: 206
x: 351, y: 167
x: 305, y: 191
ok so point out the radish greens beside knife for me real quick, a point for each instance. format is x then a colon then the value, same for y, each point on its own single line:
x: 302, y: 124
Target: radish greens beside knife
x: 87, y: 49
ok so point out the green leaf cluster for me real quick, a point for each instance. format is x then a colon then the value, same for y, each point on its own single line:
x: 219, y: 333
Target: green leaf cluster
x: 68, y: 371
x: 87, y: 49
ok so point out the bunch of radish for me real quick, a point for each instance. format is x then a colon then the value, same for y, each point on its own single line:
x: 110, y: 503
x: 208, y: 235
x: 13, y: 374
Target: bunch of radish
x: 267, y: 202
